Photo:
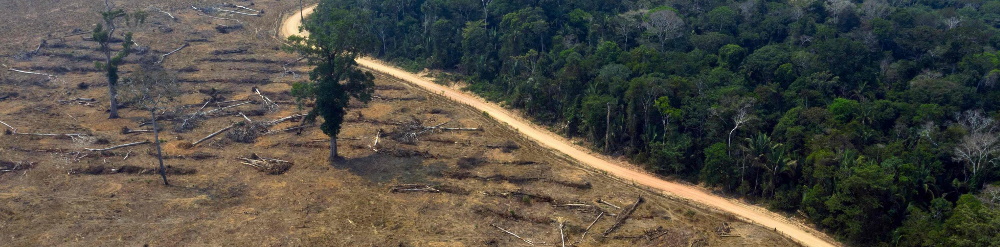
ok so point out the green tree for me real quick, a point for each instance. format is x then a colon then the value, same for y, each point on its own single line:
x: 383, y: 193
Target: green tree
x: 104, y: 35
x: 337, y: 37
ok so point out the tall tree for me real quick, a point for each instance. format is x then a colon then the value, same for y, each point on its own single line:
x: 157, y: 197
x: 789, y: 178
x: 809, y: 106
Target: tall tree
x: 337, y: 36
x: 104, y: 35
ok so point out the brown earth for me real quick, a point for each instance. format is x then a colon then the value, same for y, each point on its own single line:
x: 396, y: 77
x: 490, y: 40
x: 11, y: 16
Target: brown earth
x: 53, y: 192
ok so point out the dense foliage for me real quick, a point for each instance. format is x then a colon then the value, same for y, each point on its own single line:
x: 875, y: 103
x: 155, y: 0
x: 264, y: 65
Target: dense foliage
x: 338, y: 37
x: 872, y: 118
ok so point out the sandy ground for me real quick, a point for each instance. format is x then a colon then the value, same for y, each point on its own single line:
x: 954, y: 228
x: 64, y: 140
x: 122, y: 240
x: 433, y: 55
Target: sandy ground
x: 754, y: 214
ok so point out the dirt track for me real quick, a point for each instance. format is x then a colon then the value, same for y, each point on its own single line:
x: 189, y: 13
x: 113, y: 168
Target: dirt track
x: 797, y: 232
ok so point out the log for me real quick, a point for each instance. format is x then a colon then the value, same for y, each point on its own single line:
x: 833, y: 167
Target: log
x: 289, y: 129
x: 236, y: 12
x: 164, y: 56
x: 245, y: 117
x: 227, y: 107
x: 213, y: 134
x: 201, y: 12
x: 12, y: 129
x: 119, y: 146
x: 562, y: 237
x: 165, y: 12
x: 608, y: 203
x: 196, y: 114
x: 625, y: 215
x: 374, y: 146
x: 28, y: 72
x: 126, y: 130
x: 244, y: 7
x: 46, y: 134
x: 591, y: 225
x: 513, y: 234
x: 281, y: 120
x: 267, y: 101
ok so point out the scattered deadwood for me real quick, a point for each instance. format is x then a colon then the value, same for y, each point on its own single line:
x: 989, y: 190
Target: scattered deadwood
x: 506, y: 147
x: 119, y: 146
x: 267, y: 165
x: 405, y: 188
x: 202, y: 12
x: 79, y: 101
x: 648, y: 235
x: 6, y: 166
x: 196, y: 114
x: 725, y: 230
x: 128, y: 169
x: 126, y: 131
x: 525, y: 197
x: 514, y: 234
x: 164, y: 56
x: 289, y: 129
x: 281, y: 120
x: 624, y: 216
x: 591, y: 225
x: 213, y: 134
x: 268, y: 104
x: 227, y: 107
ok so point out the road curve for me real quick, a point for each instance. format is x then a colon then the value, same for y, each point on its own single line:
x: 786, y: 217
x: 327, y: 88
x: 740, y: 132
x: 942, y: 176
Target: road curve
x: 758, y: 215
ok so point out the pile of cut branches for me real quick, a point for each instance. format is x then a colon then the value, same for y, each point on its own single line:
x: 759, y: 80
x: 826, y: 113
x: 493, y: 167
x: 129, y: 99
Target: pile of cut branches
x: 267, y: 165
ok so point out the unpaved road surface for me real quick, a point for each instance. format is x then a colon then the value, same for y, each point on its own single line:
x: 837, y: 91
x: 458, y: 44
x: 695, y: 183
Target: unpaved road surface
x: 758, y: 215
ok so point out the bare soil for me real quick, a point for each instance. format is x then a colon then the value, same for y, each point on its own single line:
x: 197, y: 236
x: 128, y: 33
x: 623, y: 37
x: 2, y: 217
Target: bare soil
x: 53, y: 192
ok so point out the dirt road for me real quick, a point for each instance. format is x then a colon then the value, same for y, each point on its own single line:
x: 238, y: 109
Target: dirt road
x: 546, y: 138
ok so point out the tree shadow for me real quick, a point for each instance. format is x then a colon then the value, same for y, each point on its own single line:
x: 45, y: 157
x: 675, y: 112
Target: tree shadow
x: 381, y: 168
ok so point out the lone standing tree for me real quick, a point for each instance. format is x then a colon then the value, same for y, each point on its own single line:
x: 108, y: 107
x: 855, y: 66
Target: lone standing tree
x: 104, y: 35
x: 149, y: 88
x: 338, y: 34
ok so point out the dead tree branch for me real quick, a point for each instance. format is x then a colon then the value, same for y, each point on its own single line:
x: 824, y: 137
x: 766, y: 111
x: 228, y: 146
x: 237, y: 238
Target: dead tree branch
x: 164, y: 56
x: 119, y: 146
x: 608, y: 203
x: 591, y: 225
x: 625, y: 215
x: 29, y: 72
x: 227, y: 107
x: 213, y: 134
x: 515, y: 235
x: 268, y: 104
x: 165, y: 12
x: 12, y: 129
x: 402, y: 188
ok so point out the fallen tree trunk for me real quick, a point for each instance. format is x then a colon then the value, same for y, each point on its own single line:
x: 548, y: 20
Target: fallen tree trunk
x: 591, y: 225
x: 227, y: 107
x: 213, y: 134
x: 281, y: 120
x: 164, y: 56
x: 119, y: 146
x: 625, y: 215
x: 515, y: 235
x: 28, y: 72
x: 165, y: 12
x: 12, y: 129
x: 413, y: 188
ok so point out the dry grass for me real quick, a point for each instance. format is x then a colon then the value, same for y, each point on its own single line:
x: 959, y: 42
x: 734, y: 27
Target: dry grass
x: 215, y: 200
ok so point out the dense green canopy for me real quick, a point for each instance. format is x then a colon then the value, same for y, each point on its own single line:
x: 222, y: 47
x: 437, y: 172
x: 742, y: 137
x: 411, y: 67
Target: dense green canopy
x: 872, y: 118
